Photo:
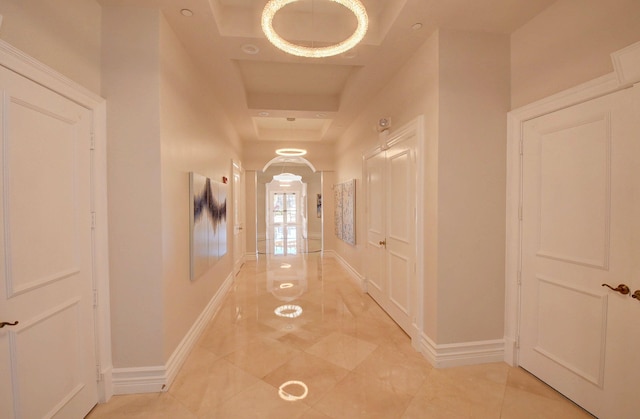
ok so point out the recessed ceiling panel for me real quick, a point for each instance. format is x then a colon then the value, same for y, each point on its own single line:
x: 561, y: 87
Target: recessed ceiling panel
x: 293, y: 78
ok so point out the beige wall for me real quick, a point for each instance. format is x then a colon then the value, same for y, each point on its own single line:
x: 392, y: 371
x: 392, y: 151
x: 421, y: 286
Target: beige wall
x: 162, y: 124
x: 131, y: 86
x: 460, y: 82
x: 569, y: 43
x: 474, y: 101
x: 65, y: 38
x: 196, y: 136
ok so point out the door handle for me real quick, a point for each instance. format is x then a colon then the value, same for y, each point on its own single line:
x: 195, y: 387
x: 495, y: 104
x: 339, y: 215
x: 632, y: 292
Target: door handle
x: 3, y: 324
x: 636, y: 295
x: 383, y: 242
x: 622, y: 289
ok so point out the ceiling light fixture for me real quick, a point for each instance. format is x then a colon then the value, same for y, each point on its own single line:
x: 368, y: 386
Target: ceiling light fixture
x: 186, y: 12
x: 355, y: 6
x: 291, y: 152
x: 287, y: 177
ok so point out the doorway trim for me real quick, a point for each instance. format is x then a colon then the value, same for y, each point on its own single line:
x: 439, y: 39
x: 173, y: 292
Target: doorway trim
x: 26, y: 66
x: 626, y: 73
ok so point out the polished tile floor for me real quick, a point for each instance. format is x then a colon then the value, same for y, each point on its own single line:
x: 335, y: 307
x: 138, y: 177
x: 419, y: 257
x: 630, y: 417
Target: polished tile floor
x: 295, y: 338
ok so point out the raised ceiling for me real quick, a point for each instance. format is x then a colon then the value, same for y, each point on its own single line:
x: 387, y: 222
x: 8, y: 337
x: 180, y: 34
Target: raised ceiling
x: 264, y: 89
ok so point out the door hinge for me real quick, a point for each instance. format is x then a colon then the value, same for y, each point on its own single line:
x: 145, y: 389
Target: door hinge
x: 518, y: 342
x: 519, y: 277
x: 95, y: 298
x: 92, y: 143
x: 522, y: 147
x: 520, y: 212
x: 93, y: 220
x: 99, y: 375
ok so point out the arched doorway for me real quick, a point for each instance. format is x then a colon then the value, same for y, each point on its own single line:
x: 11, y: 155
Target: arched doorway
x: 288, y: 219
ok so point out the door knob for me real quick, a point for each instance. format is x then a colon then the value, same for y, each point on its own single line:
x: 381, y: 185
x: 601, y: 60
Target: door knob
x: 622, y: 288
x: 636, y: 295
x: 382, y: 242
x: 3, y: 324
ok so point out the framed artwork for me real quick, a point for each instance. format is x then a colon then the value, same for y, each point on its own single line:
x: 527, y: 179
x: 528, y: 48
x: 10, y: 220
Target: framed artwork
x: 345, y: 209
x: 207, y: 223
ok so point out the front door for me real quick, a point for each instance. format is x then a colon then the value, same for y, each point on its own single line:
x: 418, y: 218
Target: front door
x: 580, y: 226
x: 391, y: 230
x: 48, y: 359
x: 285, y: 225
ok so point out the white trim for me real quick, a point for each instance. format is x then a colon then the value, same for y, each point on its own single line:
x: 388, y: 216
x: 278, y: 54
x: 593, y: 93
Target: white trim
x: 251, y: 256
x: 626, y: 64
x: 34, y: 70
x: 459, y: 354
x: 515, y: 120
x: 160, y: 378
x: 354, y: 275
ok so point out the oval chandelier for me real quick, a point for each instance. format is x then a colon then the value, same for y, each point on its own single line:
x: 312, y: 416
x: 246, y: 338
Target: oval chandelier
x: 355, y: 6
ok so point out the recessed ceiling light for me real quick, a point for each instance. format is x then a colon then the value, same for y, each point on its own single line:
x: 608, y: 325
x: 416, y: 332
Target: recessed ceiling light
x: 263, y: 113
x: 416, y: 26
x: 291, y: 152
x: 250, y: 49
x: 186, y: 12
x: 321, y: 115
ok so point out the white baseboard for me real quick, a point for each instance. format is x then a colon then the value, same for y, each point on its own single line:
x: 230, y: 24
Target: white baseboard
x: 510, y: 351
x: 459, y: 354
x: 160, y: 378
x: 355, y: 276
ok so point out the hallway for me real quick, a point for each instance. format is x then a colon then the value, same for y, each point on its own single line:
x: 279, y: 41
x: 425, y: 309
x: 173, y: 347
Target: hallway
x: 352, y: 359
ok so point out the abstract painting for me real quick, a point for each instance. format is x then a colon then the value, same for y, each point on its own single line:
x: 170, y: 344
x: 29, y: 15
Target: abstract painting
x: 345, y: 205
x: 208, y: 223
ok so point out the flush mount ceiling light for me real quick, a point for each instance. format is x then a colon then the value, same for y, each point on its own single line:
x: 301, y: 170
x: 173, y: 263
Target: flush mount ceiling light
x: 291, y: 152
x: 355, y: 6
x: 287, y: 177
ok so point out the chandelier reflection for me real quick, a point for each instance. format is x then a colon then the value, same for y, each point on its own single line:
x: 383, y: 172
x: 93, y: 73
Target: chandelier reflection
x: 288, y: 310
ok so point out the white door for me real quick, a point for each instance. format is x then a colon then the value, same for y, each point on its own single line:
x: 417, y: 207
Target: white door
x: 391, y: 231
x: 238, y: 218
x: 47, y: 360
x: 580, y: 221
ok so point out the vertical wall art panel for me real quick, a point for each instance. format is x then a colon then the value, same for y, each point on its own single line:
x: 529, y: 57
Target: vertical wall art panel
x: 345, y: 208
x: 337, y: 194
x: 222, y: 219
x: 348, y: 212
x: 208, y: 223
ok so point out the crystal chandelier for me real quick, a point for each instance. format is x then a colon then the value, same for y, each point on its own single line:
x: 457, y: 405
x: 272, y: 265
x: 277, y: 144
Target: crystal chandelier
x: 355, y: 6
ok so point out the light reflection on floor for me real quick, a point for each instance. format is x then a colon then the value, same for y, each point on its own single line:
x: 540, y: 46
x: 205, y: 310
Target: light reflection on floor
x: 340, y: 357
x: 286, y: 240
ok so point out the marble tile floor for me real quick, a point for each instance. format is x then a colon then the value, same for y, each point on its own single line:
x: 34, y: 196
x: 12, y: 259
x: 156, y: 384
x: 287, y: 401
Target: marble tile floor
x: 340, y: 354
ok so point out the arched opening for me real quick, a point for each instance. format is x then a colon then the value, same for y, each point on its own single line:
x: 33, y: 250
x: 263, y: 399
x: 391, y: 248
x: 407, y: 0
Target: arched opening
x: 289, y: 212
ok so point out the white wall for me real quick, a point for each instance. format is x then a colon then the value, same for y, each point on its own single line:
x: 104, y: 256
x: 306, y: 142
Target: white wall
x: 569, y: 43
x: 163, y: 123
x: 65, y: 38
x: 197, y: 136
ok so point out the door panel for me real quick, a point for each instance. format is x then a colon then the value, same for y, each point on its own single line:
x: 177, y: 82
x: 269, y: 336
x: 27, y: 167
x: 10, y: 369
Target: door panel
x: 46, y: 273
x: 391, y: 224
x: 580, y: 202
x: 238, y: 218
x: 375, y: 218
